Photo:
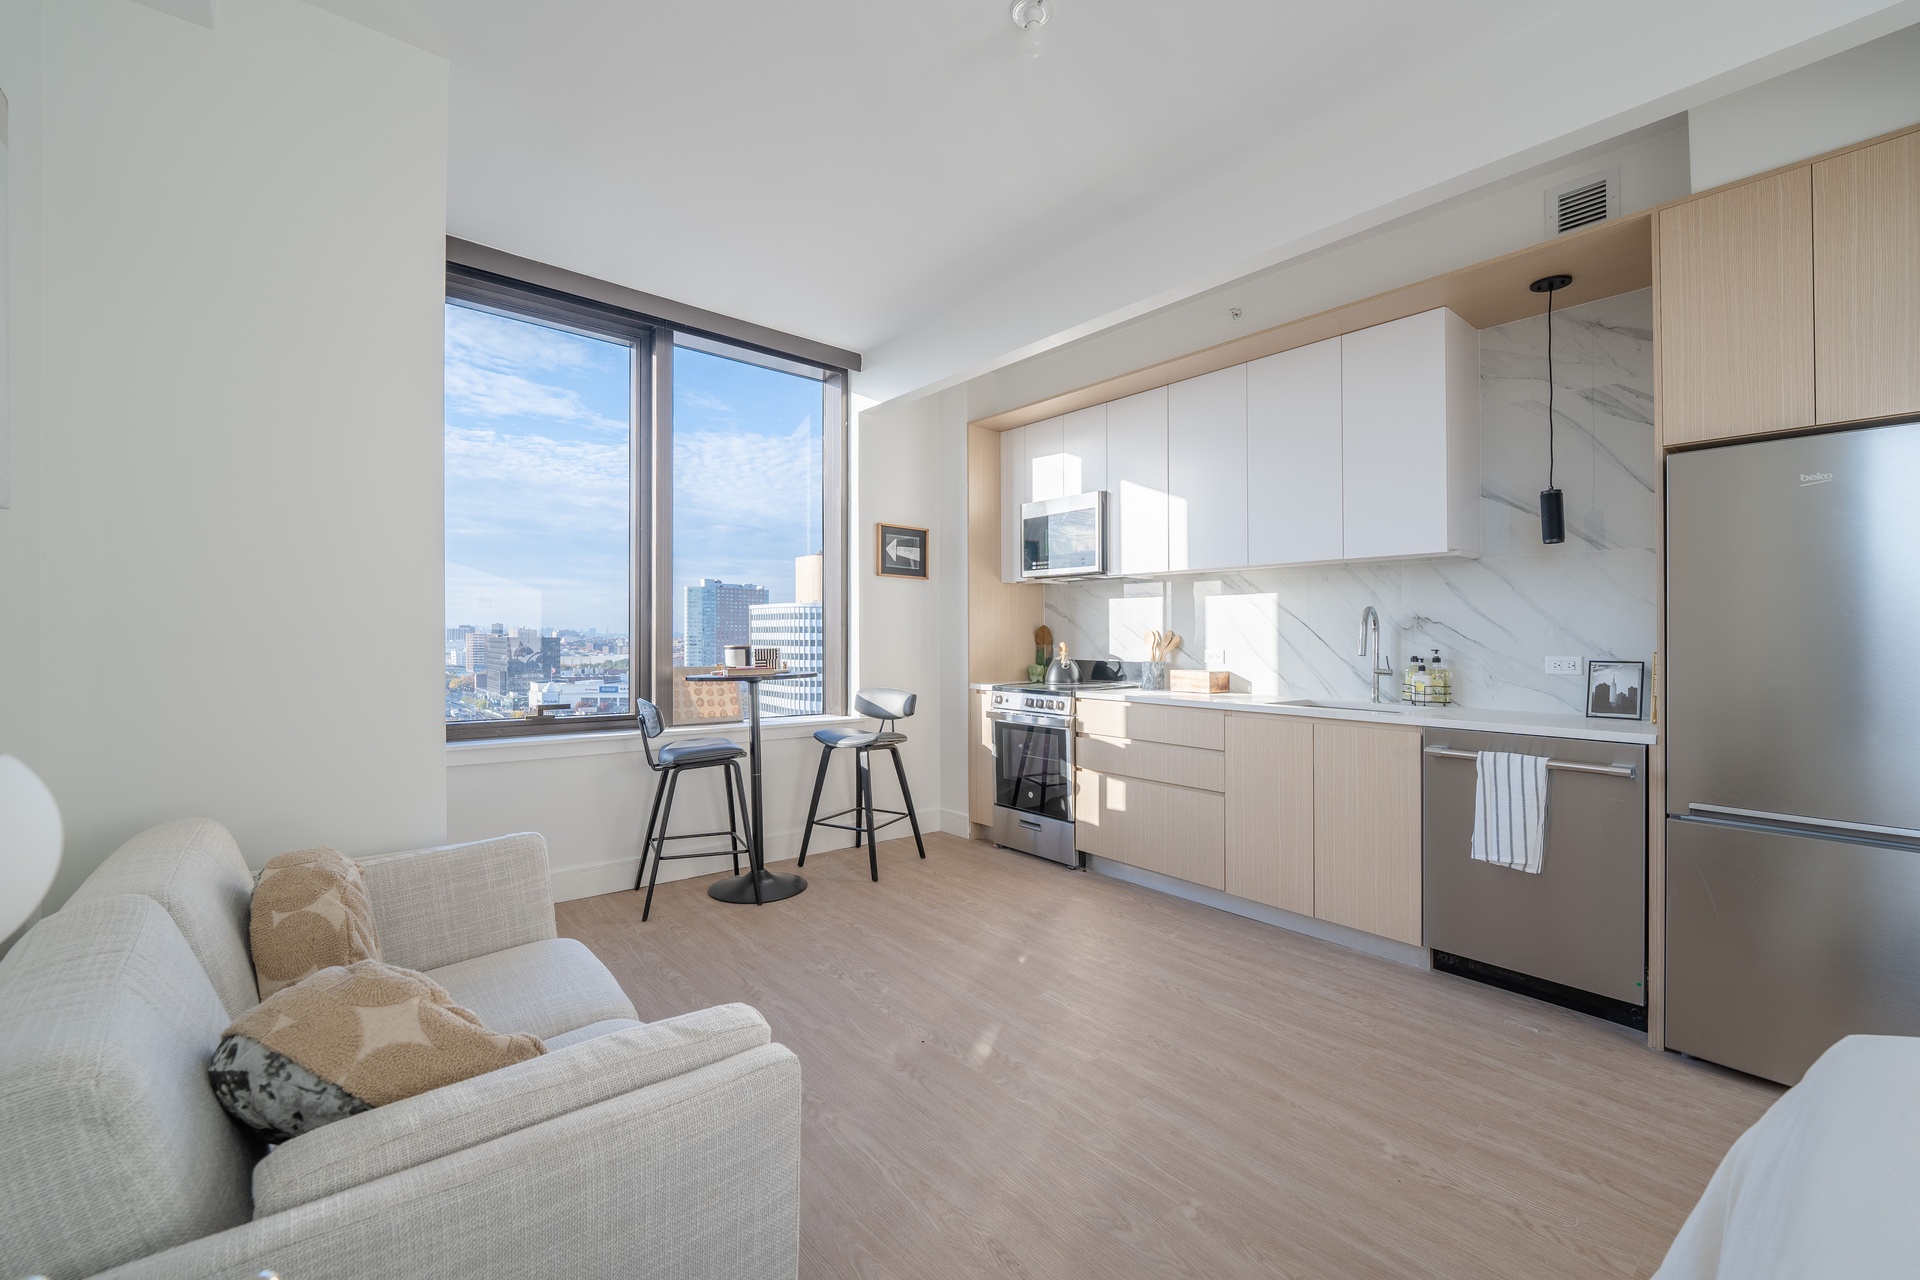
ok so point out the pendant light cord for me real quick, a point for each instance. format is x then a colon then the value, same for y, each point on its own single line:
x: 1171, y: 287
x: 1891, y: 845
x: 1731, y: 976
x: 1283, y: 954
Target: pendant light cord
x: 1550, y: 294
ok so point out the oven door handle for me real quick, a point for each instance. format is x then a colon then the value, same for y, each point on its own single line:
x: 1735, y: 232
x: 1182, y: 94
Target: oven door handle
x: 1029, y: 718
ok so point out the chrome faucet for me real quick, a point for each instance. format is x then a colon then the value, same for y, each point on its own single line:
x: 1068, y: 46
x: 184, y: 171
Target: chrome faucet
x: 1370, y: 633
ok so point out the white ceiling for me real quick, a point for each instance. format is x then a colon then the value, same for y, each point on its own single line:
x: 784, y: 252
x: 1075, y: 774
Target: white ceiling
x: 856, y: 172
x: 838, y: 170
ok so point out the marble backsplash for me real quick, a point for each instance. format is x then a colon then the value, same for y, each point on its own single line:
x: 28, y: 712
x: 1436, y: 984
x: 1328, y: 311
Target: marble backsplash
x: 1293, y: 632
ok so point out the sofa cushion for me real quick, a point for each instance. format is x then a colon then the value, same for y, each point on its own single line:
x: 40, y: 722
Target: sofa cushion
x: 592, y: 1031
x: 194, y: 870
x: 379, y: 1033
x: 310, y: 912
x: 436, y: 1125
x: 544, y: 989
x: 115, y: 1145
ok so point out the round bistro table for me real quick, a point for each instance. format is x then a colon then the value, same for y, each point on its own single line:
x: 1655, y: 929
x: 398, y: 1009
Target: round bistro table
x: 758, y: 885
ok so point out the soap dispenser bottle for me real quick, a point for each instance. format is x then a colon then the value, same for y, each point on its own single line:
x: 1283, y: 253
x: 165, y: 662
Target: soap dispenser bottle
x: 1413, y: 687
x: 1440, y: 680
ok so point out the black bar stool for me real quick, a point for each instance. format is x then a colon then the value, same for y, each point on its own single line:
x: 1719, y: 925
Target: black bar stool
x: 674, y: 760
x: 887, y: 706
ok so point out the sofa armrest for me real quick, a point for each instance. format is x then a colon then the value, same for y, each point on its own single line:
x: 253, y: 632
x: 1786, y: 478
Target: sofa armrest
x: 427, y: 1126
x: 435, y: 907
x: 694, y: 1178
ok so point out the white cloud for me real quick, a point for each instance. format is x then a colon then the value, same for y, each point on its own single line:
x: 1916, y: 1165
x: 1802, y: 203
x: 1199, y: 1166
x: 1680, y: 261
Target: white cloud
x: 498, y: 342
x: 489, y: 393
x: 749, y: 486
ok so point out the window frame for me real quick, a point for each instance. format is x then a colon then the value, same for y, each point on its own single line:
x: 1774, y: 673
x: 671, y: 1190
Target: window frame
x: 650, y: 492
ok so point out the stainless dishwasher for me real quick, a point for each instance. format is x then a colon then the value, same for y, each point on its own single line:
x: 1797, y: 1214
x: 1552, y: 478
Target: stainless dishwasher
x: 1576, y: 933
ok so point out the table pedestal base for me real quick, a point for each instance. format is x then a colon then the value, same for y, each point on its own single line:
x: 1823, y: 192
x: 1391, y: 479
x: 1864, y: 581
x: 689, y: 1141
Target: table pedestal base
x: 774, y: 885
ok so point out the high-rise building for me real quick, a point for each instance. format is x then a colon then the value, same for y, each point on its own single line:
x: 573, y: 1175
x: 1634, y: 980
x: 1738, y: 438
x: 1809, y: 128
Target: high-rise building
x: 799, y: 632
x: 487, y: 660
x: 549, y: 656
x: 717, y: 616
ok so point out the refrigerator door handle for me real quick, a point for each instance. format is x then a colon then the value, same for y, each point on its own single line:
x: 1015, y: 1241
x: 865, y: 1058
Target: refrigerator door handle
x: 1801, y: 820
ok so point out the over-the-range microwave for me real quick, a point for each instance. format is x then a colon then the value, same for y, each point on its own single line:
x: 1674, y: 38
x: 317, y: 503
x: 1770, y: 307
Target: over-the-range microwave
x: 1064, y: 537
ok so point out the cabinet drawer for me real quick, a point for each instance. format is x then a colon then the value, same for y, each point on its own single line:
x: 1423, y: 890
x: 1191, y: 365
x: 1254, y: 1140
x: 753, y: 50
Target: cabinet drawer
x: 1156, y: 761
x: 1171, y: 830
x: 1151, y: 722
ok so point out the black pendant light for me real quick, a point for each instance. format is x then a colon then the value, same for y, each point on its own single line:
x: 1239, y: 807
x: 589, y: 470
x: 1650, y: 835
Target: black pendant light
x: 1553, y: 507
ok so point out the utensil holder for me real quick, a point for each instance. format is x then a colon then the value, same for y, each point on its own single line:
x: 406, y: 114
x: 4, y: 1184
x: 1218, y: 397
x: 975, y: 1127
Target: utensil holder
x: 1153, y: 676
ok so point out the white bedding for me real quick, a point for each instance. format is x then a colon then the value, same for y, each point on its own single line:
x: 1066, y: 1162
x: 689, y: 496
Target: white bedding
x: 1827, y: 1183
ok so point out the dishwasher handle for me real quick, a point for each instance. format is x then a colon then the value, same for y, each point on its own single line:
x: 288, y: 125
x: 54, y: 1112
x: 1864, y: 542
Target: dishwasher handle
x: 1568, y: 766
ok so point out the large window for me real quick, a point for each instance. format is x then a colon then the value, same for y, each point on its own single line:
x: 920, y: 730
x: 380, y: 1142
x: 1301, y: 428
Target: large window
x: 624, y: 502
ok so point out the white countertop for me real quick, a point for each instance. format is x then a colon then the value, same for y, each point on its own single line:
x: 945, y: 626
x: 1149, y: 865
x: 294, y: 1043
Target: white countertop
x: 1544, y: 724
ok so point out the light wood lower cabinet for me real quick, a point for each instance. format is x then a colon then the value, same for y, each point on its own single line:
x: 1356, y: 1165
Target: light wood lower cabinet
x: 1269, y: 810
x: 1176, y: 831
x: 1152, y: 722
x: 980, y: 764
x: 1366, y: 828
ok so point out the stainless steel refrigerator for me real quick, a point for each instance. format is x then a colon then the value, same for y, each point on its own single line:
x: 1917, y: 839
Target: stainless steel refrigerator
x: 1792, y: 717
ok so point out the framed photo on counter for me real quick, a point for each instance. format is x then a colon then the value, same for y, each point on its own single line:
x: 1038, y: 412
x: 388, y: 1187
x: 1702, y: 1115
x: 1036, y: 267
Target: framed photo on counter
x: 1615, y: 689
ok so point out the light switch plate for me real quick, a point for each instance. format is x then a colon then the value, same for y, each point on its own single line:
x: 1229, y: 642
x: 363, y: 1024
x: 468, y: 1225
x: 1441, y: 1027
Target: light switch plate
x: 1563, y: 666
x: 1216, y: 657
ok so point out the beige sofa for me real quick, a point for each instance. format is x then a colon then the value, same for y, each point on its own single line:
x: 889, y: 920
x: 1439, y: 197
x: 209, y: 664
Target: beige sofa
x: 667, y: 1149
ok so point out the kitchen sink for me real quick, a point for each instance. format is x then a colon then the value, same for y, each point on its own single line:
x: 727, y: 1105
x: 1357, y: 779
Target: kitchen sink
x: 1375, y: 708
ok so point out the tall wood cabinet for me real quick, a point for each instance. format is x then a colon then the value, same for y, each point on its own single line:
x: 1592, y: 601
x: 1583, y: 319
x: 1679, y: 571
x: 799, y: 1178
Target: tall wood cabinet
x: 1866, y: 281
x: 1736, y: 310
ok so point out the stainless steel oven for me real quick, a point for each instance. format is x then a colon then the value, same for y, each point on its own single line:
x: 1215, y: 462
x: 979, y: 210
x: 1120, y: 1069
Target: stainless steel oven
x: 1064, y: 537
x: 1033, y: 772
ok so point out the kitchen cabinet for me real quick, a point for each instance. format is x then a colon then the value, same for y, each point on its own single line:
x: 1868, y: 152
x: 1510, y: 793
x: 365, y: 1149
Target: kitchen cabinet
x: 1176, y: 831
x: 1206, y: 471
x: 1268, y: 778
x: 1410, y: 438
x: 1016, y: 489
x: 980, y: 761
x: 1152, y: 722
x: 1083, y: 450
x: 1366, y: 828
x: 1137, y: 483
x: 1046, y: 451
x: 1293, y: 456
x: 1736, y: 310
x: 1866, y: 282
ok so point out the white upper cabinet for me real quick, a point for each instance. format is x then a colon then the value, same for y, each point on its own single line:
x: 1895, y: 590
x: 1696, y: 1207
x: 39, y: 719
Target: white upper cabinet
x: 1410, y: 447
x: 1137, y: 483
x: 1084, y: 451
x: 1016, y: 483
x: 1046, y: 445
x: 1293, y: 456
x: 1207, y: 471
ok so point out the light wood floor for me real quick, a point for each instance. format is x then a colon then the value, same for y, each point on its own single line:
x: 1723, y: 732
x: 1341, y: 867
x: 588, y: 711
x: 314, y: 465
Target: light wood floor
x: 1012, y: 1069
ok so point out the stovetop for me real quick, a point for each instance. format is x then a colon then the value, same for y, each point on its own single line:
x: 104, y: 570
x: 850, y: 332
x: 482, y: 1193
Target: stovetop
x: 1025, y: 687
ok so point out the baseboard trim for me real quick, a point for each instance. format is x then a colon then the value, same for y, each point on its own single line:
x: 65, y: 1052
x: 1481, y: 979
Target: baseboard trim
x: 1325, y: 930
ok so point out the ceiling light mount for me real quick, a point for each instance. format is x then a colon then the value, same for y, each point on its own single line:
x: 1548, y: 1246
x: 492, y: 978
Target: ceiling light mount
x: 1030, y: 16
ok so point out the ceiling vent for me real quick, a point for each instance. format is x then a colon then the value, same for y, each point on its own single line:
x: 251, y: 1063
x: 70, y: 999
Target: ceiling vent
x: 1583, y: 202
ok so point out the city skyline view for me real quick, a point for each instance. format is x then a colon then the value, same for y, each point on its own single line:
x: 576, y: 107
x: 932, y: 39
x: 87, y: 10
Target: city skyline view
x: 539, y: 433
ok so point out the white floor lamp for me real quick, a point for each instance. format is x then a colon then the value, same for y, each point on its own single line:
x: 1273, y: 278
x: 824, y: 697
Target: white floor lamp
x: 30, y: 840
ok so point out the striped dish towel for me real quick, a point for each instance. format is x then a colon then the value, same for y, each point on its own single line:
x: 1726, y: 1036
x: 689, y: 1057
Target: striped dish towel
x: 1510, y: 810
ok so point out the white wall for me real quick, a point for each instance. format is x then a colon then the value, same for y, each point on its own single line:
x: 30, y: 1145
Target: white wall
x: 1859, y: 94
x: 590, y: 797
x: 235, y: 469
x: 1480, y: 225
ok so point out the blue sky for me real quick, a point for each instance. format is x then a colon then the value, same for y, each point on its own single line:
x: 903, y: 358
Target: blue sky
x: 537, y: 460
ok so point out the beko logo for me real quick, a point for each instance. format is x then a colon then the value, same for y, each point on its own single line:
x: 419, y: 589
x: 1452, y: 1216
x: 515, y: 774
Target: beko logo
x: 1818, y: 477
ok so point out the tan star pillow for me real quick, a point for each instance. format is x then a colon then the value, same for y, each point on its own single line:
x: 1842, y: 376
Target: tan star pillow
x: 310, y: 912
x: 379, y: 1032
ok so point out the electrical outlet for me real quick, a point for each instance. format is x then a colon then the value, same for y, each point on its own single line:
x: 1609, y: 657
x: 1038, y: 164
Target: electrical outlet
x: 1563, y: 666
x: 1216, y: 657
